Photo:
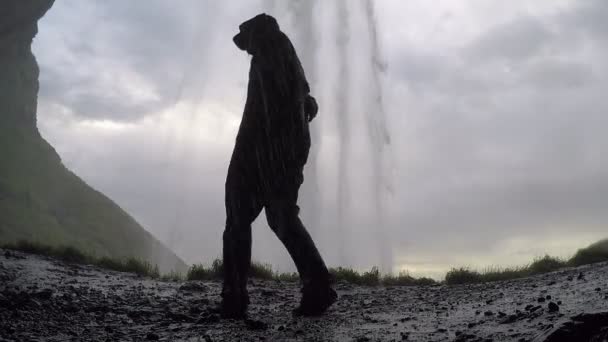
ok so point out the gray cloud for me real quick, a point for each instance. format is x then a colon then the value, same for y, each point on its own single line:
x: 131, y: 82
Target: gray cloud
x: 514, y: 41
x: 498, y: 133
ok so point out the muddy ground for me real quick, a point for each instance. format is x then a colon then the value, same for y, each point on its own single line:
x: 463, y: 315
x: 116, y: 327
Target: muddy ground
x: 42, y: 299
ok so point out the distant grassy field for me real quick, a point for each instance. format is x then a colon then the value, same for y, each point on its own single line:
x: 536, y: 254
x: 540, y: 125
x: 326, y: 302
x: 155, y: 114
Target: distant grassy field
x: 74, y: 255
x: 597, y: 252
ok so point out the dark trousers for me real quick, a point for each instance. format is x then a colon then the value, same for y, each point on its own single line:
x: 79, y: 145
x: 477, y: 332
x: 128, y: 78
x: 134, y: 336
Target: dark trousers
x: 245, y: 199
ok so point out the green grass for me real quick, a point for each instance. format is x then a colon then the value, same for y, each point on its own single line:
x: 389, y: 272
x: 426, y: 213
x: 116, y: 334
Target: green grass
x: 405, y: 279
x: 546, y: 264
x: 597, y: 252
x: 258, y: 270
x: 72, y: 254
x: 172, y: 276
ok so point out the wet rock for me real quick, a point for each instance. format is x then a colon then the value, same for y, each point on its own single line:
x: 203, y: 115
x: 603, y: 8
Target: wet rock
x: 208, y: 319
x: 253, y: 324
x: 268, y: 293
x: 541, y: 299
x: 553, y: 307
x: 45, y: 294
x: 152, y: 337
x: 180, y: 317
x: 510, y: 319
x: 193, y: 287
x: 123, y: 307
x: 591, y: 327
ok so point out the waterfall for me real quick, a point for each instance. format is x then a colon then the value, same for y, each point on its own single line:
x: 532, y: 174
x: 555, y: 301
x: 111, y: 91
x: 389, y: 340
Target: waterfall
x: 352, y: 128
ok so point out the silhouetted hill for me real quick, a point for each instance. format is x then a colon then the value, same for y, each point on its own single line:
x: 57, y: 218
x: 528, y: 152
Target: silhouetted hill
x: 40, y: 199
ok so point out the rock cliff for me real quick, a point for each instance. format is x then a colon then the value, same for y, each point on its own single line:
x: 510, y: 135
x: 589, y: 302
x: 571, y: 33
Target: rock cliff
x: 40, y: 199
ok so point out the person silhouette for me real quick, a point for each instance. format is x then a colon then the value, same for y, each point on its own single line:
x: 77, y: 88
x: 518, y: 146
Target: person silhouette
x: 266, y: 169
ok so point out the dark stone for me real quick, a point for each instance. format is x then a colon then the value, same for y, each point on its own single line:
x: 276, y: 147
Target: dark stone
x: 553, y: 307
x: 592, y: 327
x: 208, y: 319
x: 253, y: 324
x: 268, y: 293
x: 45, y: 294
x: 510, y: 319
x: 193, y: 287
x: 152, y: 337
x: 541, y: 299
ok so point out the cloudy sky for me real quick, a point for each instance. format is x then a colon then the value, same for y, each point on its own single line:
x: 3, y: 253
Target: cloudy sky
x: 496, y: 113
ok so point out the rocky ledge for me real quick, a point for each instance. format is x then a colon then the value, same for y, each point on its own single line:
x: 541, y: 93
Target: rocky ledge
x: 44, y: 299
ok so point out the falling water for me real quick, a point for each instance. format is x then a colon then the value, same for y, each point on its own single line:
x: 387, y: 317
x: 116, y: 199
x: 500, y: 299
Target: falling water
x: 354, y: 103
x: 342, y: 113
x: 379, y: 139
x: 302, y: 12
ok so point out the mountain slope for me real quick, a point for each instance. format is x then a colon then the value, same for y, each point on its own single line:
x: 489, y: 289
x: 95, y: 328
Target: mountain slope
x: 40, y: 199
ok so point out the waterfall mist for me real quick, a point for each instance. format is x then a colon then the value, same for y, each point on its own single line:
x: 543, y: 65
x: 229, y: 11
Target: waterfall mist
x: 347, y: 178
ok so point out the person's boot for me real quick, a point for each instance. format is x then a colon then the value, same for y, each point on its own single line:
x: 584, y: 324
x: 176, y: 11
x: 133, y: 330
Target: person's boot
x: 315, y: 300
x: 234, y: 303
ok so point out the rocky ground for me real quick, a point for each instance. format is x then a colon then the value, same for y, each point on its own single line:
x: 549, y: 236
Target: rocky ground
x: 42, y: 299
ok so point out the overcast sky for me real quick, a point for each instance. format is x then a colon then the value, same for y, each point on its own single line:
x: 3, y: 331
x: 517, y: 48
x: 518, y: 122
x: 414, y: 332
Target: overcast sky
x: 497, y: 113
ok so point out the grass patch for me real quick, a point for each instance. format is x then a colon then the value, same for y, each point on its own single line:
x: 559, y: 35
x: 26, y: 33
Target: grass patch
x: 405, y: 279
x: 292, y: 277
x: 202, y: 272
x: 597, y: 252
x: 462, y: 275
x: 73, y: 255
x: 257, y: 270
x: 261, y: 271
x: 172, y: 276
x: 546, y: 264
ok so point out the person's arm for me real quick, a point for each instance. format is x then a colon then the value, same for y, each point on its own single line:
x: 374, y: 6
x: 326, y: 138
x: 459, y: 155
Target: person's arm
x: 311, y: 108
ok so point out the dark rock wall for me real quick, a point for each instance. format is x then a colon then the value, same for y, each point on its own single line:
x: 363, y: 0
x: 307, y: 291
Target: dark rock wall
x: 18, y: 67
x: 40, y: 199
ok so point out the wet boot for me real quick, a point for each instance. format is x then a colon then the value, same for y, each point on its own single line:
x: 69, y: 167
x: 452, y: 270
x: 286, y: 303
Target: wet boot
x: 234, y: 303
x: 236, y: 263
x: 317, y: 294
x: 316, y: 299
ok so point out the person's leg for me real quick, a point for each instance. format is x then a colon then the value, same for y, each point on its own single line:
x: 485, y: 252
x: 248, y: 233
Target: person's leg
x: 242, y: 207
x: 282, y: 214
